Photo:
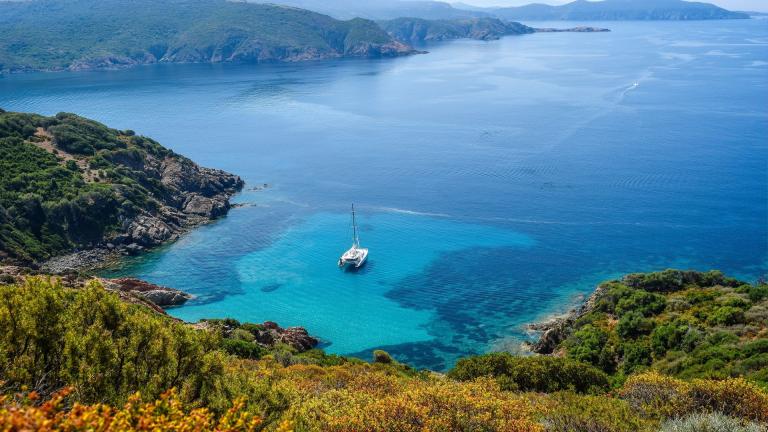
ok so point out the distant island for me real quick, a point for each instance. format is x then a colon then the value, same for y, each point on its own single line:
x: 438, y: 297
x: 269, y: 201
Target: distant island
x: 580, y: 10
x: 417, y: 30
x: 612, y: 10
x: 87, y: 34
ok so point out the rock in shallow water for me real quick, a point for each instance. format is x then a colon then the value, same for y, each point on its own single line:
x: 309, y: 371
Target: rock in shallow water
x: 159, y: 295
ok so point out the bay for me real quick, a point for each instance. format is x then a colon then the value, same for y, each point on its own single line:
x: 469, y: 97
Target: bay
x: 496, y: 182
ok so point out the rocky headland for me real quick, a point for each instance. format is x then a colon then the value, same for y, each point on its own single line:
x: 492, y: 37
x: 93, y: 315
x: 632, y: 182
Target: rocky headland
x: 79, y: 194
x: 194, y: 195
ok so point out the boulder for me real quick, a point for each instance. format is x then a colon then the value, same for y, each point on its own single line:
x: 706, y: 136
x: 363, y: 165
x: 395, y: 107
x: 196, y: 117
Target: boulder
x: 159, y: 295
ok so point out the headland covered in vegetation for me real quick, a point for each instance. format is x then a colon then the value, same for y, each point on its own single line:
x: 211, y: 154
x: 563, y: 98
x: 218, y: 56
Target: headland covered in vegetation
x: 670, y: 351
x: 74, y: 192
x: 88, y: 34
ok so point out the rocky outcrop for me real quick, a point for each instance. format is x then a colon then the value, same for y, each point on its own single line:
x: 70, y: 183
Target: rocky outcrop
x: 268, y: 334
x: 296, y: 337
x: 194, y: 195
x: 157, y: 294
x: 557, y: 330
x: 184, y: 195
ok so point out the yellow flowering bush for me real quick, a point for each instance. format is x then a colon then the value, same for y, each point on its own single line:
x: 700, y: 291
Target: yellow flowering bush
x: 659, y: 396
x: 164, y: 414
x: 367, y: 398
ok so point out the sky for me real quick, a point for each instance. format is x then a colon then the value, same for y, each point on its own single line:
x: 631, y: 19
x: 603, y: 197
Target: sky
x: 751, y: 5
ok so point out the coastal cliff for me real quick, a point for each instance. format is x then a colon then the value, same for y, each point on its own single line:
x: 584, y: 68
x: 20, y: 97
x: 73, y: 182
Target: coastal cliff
x: 76, y: 192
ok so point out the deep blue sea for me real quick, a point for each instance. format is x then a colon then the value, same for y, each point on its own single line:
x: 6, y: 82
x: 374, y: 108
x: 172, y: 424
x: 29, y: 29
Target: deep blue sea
x: 496, y: 182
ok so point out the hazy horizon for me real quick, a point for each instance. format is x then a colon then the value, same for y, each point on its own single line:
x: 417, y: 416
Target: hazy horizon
x: 737, y: 5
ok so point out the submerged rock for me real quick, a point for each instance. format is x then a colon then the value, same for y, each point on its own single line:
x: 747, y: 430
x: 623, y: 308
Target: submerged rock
x: 159, y: 295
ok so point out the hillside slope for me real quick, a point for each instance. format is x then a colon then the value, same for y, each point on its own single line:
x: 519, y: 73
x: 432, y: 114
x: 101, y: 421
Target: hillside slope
x: 69, y: 183
x: 85, y: 34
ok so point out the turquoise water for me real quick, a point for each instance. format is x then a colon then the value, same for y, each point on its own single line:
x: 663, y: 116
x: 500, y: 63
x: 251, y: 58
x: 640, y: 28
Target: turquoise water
x: 497, y: 182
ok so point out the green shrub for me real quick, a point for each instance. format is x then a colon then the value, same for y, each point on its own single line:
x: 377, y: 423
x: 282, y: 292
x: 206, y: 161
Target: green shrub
x: 51, y: 337
x: 593, y: 345
x: 540, y: 374
x: 243, y: 335
x: 633, y: 324
x: 726, y: 315
x: 641, y: 302
x: 636, y: 356
x: 242, y: 349
x: 380, y: 356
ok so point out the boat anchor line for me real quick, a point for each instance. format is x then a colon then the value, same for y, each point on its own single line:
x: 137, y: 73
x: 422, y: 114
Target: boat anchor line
x: 356, y: 255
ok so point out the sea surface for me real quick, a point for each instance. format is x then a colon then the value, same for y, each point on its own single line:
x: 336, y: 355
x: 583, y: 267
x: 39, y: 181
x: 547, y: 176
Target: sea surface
x: 496, y: 182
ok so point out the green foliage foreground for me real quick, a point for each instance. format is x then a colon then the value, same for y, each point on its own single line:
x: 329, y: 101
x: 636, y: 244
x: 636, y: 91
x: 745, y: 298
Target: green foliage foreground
x: 106, y: 350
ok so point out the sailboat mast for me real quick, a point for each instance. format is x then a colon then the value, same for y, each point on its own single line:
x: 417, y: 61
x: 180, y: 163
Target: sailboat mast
x: 355, y: 238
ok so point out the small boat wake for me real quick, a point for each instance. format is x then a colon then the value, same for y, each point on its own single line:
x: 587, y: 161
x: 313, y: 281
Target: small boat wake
x: 634, y: 86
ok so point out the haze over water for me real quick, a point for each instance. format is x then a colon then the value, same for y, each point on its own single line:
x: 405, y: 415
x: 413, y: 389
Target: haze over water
x: 496, y: 181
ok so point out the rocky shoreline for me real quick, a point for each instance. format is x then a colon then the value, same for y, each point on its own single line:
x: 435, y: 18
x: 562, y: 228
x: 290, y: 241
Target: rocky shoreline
x: 196, y: 196
x: 556, y: 330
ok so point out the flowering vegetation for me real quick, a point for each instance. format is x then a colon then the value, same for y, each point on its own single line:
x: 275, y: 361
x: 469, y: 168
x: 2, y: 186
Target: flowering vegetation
x: 82, y: 360
x: 166, y: 413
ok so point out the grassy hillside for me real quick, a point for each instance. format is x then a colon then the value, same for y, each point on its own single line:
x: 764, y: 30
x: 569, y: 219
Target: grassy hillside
x: 81, y: 34
x: 102, y: 351
x: 67, y: 182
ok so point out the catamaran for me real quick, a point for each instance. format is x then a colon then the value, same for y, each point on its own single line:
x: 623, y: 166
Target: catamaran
x: 356, y: 255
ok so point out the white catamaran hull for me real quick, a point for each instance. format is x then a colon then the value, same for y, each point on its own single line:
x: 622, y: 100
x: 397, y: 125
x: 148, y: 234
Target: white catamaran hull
x: 354, y: 256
